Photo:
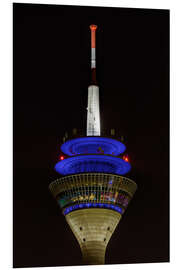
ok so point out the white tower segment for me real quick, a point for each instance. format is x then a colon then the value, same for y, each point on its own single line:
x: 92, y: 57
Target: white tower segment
x: 93, y: 112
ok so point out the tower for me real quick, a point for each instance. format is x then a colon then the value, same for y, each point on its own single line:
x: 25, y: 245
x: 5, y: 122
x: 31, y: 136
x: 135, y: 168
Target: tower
x: 93, y: 192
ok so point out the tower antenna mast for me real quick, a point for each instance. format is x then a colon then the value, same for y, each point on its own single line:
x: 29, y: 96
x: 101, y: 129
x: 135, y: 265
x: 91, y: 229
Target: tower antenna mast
x: 93, y: 53
x: 93, y: 112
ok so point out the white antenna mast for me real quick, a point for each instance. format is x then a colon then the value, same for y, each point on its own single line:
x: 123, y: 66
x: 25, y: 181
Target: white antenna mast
x: 93, y: 113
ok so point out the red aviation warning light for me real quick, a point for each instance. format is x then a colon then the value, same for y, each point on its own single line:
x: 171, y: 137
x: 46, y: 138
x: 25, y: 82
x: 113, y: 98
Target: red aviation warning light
x: 126, y: 158
x: 61, y: 157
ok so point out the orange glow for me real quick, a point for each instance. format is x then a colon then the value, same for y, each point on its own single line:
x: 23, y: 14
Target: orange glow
x: 125, y: 158
x: 93, y: 27
x: 61, y: 158
x: 93, y: 35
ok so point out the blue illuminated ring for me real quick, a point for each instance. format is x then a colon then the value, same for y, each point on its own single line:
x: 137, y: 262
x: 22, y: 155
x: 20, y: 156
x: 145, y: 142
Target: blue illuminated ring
x: 92, y: 163
x: 92, y: 205
x: 93, y: 145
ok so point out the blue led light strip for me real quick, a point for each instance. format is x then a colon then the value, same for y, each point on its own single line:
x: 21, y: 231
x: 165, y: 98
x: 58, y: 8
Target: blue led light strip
x: 92, y: 205
x: 92, y: 163
x: 93, y: 145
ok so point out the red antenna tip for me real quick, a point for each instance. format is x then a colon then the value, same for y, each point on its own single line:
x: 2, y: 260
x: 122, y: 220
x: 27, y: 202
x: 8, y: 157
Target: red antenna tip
x: 93, y: 27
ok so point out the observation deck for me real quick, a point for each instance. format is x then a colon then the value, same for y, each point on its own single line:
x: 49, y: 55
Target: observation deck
x: 93, y: 171
x: 93, y: 190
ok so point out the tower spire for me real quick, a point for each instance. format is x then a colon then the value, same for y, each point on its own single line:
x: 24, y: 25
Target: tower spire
x: 93, y: 114
x: 93, y: 28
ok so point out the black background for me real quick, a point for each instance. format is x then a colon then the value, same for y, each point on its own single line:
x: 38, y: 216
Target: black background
x: 51, y: 69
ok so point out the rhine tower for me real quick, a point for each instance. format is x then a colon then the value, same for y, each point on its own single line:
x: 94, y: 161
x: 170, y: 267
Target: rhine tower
x: 93, y: 192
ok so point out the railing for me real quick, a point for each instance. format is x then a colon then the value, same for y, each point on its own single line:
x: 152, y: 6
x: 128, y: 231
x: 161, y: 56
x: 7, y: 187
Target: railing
x: 77, y: 133
x: 110, y: 182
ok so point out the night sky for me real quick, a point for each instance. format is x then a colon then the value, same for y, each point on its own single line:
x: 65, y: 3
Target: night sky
x: 51, y: 75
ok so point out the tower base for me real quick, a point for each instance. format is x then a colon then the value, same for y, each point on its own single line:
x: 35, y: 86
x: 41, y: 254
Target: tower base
x: 93, y: 229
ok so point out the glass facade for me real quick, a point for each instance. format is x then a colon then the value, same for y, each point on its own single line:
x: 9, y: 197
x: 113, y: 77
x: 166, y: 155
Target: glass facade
x: 96, y: 189
x: 92, y: 194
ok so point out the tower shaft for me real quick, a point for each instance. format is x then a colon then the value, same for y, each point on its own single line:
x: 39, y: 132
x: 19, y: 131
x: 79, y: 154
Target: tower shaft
x: 93, y: 229
x: 93, y: 205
